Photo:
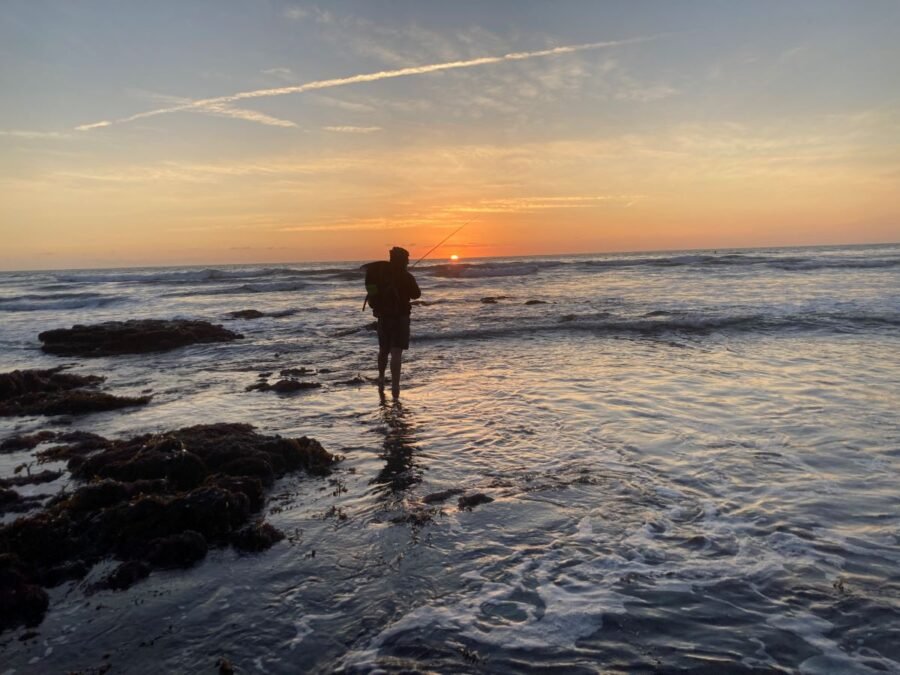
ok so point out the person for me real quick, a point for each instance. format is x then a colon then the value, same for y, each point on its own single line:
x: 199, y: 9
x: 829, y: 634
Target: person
x: 394, y: 321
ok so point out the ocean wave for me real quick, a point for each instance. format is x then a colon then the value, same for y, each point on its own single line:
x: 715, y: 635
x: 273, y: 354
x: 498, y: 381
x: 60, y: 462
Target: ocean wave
x: 207, y: 275
x: 660, y: 323
x: 56, y: 301
x: 481, y: 270
x: 687, y: 260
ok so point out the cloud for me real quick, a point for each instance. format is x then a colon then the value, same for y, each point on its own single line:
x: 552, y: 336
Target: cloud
x: 17, y: 133
x: 199, y: 105
x: 281, y: 73
x: 296, y: 13
x: 93, y: 125
x: 353, y: 130
x: 518, y: 205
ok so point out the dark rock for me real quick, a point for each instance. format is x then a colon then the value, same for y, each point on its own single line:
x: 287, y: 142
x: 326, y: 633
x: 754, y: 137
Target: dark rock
x: 125, y: 576
x: 536, y: 302
x: 99, y: 495
x: 12, y: 502
x: 161, y: 499
x: 50, y: 392
x: 185, y: 470
x: 224, y: 666
x: 442, y: 496
x: 296, y: 372
x: 30, y: 479
x: 178, y: 550
x: 251, y: 488
x: 246, y: 314
x: 25, y: 442
x: 136, y: 336
x: 255, y: 466
x: 567, y: 317
x: 468, y: 502
x: 21, y: 382
x: 493, y: 299
x: 256, y: 537
x: 283, y: 386
x: 23, y: 603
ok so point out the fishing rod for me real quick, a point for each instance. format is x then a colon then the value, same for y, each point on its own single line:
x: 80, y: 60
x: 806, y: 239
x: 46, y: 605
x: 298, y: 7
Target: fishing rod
x: 442, y: 242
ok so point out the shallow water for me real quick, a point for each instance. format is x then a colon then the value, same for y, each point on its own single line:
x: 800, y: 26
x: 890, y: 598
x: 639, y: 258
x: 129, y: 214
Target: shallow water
x: 693, y: 459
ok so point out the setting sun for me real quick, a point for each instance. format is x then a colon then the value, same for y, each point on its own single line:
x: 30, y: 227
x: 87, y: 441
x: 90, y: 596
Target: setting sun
x: 454, y: 257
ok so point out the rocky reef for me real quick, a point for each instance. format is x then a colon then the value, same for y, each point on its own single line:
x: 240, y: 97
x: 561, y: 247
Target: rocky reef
x: 137, y: 336
x: 152, y: 501
x: 52, y: 392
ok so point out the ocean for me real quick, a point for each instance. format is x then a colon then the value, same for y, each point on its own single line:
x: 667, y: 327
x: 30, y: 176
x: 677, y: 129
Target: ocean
x: 694, y: 461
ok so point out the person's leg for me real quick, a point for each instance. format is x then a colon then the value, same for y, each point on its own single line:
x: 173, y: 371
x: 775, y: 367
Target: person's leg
x: 384, y: 347
x: 382, y: 365
x: 396, y: 363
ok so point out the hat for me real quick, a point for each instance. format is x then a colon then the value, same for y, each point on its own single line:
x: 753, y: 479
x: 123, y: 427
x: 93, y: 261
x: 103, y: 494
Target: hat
x: 399, y: 254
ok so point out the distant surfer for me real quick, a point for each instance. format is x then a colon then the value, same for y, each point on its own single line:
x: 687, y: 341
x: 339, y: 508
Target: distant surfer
x: 390, y: 288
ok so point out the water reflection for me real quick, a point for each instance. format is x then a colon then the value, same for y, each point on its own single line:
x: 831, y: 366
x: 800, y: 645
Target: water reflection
x: 401, y: 469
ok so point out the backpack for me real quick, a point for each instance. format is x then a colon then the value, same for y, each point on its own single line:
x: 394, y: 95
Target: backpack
x: 381, y: 294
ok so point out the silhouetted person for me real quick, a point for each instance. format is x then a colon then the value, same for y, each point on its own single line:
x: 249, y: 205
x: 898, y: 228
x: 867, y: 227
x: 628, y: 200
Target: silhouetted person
x: 393, y: 318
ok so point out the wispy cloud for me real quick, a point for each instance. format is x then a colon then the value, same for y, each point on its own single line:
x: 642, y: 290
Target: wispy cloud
x: 518, y: 205
x: 21, y: 133
x: 353, y: 130
x: 205, y: 104
x: 93, y: 125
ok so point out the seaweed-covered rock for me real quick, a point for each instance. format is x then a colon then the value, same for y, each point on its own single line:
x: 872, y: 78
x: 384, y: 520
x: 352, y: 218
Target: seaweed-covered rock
x: 30, y: 479
x: 178, y: 550
x: 246, y: 314
x: 23, y: 603
x: 468, y: 502
x: 284, y: 386
x: 136, y: 336
x: 51, y: 392
x: 24, y: 442
x: 125, y: 576
x: 155, y: 500
x: 256, y: 537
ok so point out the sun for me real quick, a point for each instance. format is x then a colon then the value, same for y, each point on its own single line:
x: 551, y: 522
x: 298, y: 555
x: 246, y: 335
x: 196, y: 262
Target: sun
x: 454, y: 257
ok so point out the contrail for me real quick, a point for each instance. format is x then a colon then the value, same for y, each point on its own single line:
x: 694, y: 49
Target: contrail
x: 208, y: 103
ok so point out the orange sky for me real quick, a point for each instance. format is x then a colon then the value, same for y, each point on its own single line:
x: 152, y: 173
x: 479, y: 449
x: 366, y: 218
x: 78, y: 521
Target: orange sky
x: 334, y: 135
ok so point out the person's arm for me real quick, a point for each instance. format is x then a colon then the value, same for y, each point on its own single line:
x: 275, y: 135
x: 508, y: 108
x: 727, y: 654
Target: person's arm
x: 414, y: 292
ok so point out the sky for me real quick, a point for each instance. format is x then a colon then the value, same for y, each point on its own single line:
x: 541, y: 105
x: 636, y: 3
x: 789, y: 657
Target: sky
x: 253, y: 131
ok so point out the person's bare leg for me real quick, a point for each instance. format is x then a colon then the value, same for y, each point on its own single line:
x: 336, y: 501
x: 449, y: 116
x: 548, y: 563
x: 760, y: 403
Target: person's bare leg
x: 396, y: 363
x: 382, y: 364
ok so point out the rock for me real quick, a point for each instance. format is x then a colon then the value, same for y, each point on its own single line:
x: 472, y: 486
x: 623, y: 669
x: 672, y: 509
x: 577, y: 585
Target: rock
x: 492, y: 299
x: 468, y: 502
x: 246, y: 314
x: 12, y: 502
x: 155, y: 500
x: 136, y: 336
x: 23, y: 603
x: 256, y: 537
x: 125, y: 576
x: 30, y: 479
x: 25, y: 442
x: 50, y: 392
x: 179, y: 550
x: 283, y: 386
x: 442, y: 496
x: 297, y: 372
x: 536, y: 302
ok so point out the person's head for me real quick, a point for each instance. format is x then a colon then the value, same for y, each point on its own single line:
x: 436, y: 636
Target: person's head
x: 400, y: 257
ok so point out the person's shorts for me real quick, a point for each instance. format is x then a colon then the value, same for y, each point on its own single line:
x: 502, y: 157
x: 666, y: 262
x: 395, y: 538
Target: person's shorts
x: 393, y: 333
